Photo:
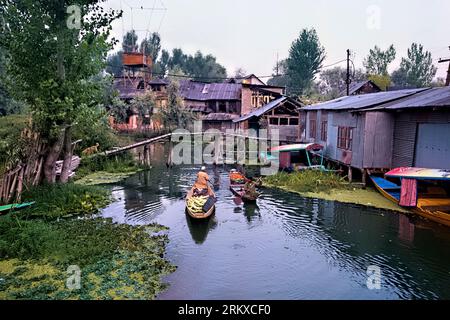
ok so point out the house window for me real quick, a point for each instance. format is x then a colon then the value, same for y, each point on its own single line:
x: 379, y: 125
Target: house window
x: 273, y: 121
x: 293, y: 121
x: 324, y: 130
x: 284, y: 121
x: 345, y: 138
x: 312, y: 128
x: 222, y: 107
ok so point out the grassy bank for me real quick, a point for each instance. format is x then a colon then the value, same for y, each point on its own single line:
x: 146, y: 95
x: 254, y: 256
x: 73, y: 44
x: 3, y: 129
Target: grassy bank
x: 328, y: 186
x: 38, y: 245
x: 105, y: 170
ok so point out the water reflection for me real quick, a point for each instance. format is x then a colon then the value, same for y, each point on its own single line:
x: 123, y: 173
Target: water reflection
x: 200, y: 228
x: 285, y: 246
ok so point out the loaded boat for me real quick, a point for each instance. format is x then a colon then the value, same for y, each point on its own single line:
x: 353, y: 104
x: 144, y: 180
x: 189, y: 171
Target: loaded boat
x: 426, y: 192
x: 200, y: 206
x: 240, y: 187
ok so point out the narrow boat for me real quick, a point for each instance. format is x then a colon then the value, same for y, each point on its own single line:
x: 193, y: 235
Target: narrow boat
x: 200, y: 207
x: 14, y: 206
x: 238, y: 190
x: 426, y: 192
x: 237, y: 186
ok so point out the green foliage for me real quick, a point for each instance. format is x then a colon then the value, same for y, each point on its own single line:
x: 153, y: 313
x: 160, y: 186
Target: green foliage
x: 92, y: 127
x: 175, y: 115
x: 377, y: 61
x: 130, y: 42
x: 10, y: 143
x: 382, y: 81
x: 50, y: 66
x: 306, y: 181
x: 62, y: 200
x: 144, y: 104
x: 333, y: 81
x: 151, y: 46
x: 417, y: 69
x: 306, y: 56
x: 122, y: 163
x: 117, y: 261
x: 114, y: 65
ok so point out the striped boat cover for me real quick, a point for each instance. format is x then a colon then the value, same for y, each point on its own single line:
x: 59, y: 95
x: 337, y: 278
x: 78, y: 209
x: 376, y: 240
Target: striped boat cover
x: 408, y: 195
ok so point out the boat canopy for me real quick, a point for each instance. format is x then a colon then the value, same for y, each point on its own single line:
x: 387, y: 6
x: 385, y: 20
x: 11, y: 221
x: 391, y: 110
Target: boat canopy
x: 298, y: 147
x: 420, y: 173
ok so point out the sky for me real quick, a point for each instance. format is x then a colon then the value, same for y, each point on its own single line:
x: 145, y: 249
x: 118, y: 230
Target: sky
x: 249, y: 34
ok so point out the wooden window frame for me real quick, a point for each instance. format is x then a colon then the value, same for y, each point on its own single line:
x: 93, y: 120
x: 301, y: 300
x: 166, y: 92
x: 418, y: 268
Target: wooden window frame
x: 345, y: 138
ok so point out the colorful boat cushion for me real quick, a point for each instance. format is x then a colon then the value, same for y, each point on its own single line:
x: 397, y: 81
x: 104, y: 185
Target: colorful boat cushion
x: 408, y: 193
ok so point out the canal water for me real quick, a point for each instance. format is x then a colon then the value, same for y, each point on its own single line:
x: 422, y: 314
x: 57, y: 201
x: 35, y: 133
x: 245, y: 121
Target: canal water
x: 284, y: 246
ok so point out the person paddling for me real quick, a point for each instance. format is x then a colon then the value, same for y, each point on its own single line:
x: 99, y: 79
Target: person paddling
x: 201, y: 185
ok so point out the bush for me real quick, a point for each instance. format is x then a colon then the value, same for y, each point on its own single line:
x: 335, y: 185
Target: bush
x: 307, y: 181
x: 62, y: 200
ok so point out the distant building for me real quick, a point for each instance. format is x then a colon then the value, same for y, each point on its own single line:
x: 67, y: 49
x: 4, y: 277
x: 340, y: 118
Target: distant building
x: 361, y: 87
x: 218, y: 104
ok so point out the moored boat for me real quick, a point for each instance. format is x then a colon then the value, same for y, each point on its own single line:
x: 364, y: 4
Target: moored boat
x: 426, y: 192
x: 200, y: 207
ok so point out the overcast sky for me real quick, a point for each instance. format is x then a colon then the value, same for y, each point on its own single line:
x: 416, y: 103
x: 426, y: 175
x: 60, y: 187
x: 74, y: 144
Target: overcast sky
x: 250, y: 33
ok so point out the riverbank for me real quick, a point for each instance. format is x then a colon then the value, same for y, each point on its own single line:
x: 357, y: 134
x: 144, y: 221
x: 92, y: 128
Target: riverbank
x: 331, y: 187
x: 42, y: 248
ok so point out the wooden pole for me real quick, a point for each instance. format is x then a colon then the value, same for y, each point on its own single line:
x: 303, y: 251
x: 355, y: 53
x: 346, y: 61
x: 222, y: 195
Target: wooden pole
x: 350, y: 174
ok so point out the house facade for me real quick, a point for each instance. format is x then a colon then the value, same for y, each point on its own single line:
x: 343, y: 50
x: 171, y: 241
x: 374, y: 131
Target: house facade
x: 383, y: 130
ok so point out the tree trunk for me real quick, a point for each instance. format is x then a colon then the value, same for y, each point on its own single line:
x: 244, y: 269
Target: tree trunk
x: 68, y: 151
x: 50, y: 161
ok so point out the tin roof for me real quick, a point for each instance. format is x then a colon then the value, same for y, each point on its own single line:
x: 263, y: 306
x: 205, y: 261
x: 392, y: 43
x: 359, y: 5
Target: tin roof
x: 435, y: 97
x: 264, y: 109
x: 363, y: 101
x: 200, y: 91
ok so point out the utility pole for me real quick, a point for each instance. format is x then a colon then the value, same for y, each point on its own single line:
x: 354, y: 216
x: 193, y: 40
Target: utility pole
x: 348, y: 81
x: 277, y: 66
x: 447, y: 81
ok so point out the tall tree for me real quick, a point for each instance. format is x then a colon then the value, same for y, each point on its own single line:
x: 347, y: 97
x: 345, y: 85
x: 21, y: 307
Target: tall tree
x: 114, y: 64
x: 333, y: 81
x: 151, y: 46
x: 53, y: 56
x: 377, y: 62
x: 417, y: 69
x: 306, y: 56
x: 130, y: 42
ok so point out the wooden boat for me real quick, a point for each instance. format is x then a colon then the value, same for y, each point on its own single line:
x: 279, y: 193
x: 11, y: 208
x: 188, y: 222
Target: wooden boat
x: 14, y: 206
x: 238, y: 190
x: 430, y: 198
x: 200, y: 214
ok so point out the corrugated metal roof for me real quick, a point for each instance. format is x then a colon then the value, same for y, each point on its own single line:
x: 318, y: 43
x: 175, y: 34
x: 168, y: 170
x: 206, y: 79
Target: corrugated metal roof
x: 355, y: 86
x: 435, y: 97
x: 200, y: 91
x: 220, y: 117
x: 260, y: 111
x: 363, y: 101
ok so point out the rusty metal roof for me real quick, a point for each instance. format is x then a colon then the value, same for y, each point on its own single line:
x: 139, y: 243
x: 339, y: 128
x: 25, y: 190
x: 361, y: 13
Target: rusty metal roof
x: 363, y: 101
x: 220, y: 117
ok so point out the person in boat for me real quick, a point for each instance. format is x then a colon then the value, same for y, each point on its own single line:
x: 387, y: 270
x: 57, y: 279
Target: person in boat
x: 237, y: 177
x: 250, y: 188
x: 201, y: 185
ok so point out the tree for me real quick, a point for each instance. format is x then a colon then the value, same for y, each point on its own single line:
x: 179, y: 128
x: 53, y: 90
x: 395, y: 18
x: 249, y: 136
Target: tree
x: 417, y: 69
x: 382, y: 81
x: 305, y: 61
x: 52, y: 62
x: 377, y: 61
x: 130, y: 42
x: 239, y: 73
x: 114, y: 64
x: 280, y: 77
x: 175, y: 115
x: 333, y: 81
x: 151, y: 46
x: 144, y: 104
